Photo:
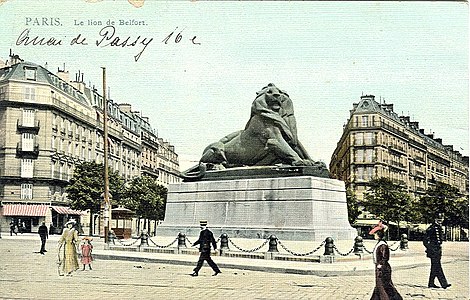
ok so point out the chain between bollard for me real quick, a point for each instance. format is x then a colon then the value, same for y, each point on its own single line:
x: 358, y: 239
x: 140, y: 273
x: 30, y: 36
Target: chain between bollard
x: 343, y: 254
x: 398, y: 246
x: 252, y: 250
x: 300, y: 254
x: 127, y: 245
x: 365, y: 249
x: 166, y: 246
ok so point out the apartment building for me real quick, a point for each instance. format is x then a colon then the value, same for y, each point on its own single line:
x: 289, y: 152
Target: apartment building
x: 49, y: 124
x: 377, y: 142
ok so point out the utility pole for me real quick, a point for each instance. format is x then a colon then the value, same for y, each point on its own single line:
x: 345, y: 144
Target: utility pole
x: 106, y: 201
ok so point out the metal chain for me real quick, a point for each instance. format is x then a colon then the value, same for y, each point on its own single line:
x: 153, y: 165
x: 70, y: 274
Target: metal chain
x: 252, y: 250
x: 343, y: 254
x: 158, y: 246
x: 370, y: 252
x: 128, y: 245
x: 395, y: 248
x: 300, y: 254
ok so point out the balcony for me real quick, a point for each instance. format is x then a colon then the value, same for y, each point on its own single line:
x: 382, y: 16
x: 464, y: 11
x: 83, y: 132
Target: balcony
x: 27, y: 153
x: 24, y: 127
x: 397, y: 149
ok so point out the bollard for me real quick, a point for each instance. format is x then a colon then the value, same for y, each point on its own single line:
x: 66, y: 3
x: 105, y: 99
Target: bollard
x: 273, y: 244
x: 181, y: 240
x: 403, y: 242
x: 223, y: 243
x: 329, y: 245
x: 144, y: 238
x: 358, y: 246
x: 111, y: 237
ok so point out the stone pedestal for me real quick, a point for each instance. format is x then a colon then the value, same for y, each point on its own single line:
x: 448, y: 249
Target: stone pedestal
x: 292, y: 208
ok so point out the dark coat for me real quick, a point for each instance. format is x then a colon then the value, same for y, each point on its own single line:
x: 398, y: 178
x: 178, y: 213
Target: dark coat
x: 42, y: 230
x: 206, y: 238
x: 384, y: 288
x: 433, y: 241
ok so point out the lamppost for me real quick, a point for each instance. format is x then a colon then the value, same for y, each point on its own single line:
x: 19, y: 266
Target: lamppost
x: 106, y: 204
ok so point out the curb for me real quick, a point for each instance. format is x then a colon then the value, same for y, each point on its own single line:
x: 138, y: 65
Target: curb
x: 353, y: 271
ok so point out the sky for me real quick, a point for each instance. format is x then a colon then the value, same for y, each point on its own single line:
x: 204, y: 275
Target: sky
x: 194, y: 67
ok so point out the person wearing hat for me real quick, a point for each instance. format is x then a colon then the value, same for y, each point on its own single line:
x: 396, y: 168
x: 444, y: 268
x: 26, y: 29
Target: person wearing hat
x: 44, y: 235
x: 68, y: 249
x: 433, y: 239
x: 206, y: 238
x: 384, y: 288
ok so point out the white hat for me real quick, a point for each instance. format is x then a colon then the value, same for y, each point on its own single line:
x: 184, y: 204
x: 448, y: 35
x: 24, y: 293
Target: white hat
x: 71, y: 221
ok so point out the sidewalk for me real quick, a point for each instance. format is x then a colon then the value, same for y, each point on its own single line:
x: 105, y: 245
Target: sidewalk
x: 343, y: 266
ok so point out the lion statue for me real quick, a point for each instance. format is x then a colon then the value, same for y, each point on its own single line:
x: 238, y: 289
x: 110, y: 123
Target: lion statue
x: 269, y: 138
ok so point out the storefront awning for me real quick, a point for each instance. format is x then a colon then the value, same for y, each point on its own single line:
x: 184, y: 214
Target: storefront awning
x: 25, y: 210
x: 64, y: 210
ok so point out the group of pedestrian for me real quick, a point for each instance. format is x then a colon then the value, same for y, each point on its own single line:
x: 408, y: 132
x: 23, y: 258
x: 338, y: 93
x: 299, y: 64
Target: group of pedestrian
x: 384, y: 288
x: 16, y: 227
x: 69, y: 248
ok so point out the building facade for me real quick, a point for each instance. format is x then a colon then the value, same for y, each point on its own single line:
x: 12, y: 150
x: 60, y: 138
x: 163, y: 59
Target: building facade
x: 377, y: 142
x: 49, y: 124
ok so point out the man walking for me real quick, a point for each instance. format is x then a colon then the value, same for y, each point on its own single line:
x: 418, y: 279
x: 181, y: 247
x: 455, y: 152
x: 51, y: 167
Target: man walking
x: 206, y: 238
x: 42, y: 231
x: 433, y: 243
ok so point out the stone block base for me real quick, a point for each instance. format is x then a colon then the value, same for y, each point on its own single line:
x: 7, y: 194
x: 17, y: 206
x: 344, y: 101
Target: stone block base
x: 292, y: 208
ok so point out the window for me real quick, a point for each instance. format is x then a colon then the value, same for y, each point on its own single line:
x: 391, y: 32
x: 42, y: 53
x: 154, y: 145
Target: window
x: 53, y: 169
x: 61, y: 170
x: 369, y: 155
x: 26, y: 191
x: 370, y: 173
x: 30, y: 73
x: 28, y: 117
x: 27, y: 142
x: 29, y: 93
x: 368, y: 138
x: 365, y: 121
x: 359, y: 155
x: 360, y: 174
x: 27, y: 168
x: 359, y: 139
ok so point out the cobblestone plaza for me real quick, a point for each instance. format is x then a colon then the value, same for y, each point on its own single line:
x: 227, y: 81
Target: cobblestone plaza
x: 25, y: 274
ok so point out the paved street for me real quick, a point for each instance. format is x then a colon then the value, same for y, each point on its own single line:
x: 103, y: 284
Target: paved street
x: 28, y: 275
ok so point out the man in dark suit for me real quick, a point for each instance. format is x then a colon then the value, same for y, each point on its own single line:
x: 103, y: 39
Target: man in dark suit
x: 433, y: 243
x: 43, y: 234
x: 206, y: 238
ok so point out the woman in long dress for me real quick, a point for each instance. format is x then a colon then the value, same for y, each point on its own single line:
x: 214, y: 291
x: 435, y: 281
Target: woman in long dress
x: 384, y: 288
x: 68, y: 249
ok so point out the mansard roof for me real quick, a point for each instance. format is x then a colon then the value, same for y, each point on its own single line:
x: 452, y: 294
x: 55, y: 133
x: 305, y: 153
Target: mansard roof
x: 367, y: 104
x: 16, y: 72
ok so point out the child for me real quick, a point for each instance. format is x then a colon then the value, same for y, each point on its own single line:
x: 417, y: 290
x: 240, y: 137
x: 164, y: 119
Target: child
x: 86, y: 247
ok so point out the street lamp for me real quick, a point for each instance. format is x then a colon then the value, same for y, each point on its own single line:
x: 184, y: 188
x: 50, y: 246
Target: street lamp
x: 106, y: 204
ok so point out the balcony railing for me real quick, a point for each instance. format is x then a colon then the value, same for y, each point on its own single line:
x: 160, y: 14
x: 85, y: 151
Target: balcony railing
x: 25, y: 127
x: 31, y: 153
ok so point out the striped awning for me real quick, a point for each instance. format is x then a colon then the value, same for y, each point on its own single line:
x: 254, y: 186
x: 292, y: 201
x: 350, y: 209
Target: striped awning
x: 25, y: 210
x: 64, y: 210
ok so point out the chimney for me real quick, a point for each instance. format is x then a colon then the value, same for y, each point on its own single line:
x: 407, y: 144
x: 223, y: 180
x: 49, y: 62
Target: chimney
x: 125, y: 107
x: 405, y: 119
x: 368, y: 97
x: 64, y: 75
x: 439, y: 140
